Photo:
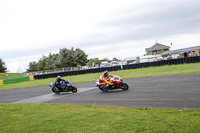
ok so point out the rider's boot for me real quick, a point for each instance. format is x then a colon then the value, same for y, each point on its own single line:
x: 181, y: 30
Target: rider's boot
x: 107, y: 86
x: 62, y: 88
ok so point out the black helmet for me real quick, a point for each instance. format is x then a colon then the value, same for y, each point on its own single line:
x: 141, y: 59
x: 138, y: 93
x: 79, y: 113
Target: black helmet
x: 106, y: 73
x: 58, y: 77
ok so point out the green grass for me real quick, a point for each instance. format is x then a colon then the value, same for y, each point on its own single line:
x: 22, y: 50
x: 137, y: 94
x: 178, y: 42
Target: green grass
x: 56, y: 118
x: 11, y: 75
x: 132, y: 73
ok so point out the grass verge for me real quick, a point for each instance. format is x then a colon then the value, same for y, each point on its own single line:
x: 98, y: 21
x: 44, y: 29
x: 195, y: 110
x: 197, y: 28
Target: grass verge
x: 133, y: 73
x: 12, y: 75
x: 78, y: 118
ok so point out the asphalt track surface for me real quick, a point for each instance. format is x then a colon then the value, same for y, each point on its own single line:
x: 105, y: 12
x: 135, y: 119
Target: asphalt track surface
x: 167, y: 92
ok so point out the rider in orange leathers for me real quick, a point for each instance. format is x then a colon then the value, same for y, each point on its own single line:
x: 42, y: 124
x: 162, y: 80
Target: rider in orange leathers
x: 103, y: 78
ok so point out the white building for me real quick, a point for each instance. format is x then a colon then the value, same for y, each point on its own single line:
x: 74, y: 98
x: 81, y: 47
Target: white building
x: 105, y: 64
x: 182, y: 53
x: 115, y: 63
x: 150, y: 58
x: 130, y: 60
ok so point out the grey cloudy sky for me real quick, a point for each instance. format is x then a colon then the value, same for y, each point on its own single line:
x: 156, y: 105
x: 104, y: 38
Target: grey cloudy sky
x: 102, y: 28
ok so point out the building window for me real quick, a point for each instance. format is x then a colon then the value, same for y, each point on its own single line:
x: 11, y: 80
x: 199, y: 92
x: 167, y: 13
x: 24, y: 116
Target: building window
x: 166, y: 49
x: 154, y: 51
x: 194, y: 53
x: 148, y: 52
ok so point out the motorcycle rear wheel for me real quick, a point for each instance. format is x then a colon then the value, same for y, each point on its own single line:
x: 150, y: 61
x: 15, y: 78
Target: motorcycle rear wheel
x: 73, y: 89
x: 102, y: 88
x: 124, y: 86
x: 55, y: 90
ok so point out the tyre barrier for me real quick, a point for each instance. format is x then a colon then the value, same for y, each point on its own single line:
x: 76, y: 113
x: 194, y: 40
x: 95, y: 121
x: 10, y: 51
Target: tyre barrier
x: 123, y: 67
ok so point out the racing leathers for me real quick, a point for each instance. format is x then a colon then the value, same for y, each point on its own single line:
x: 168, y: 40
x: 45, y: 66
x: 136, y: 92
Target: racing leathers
x: 103, y: 79
x: 57, y: 83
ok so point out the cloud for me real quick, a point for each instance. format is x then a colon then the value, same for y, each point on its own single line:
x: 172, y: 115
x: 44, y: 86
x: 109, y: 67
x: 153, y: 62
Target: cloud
x: 106, y: 28
x: 156, y: 20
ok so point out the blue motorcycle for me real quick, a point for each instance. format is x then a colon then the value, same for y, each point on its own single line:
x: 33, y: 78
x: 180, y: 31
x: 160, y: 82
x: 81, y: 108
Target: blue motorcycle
x: 64, y: 87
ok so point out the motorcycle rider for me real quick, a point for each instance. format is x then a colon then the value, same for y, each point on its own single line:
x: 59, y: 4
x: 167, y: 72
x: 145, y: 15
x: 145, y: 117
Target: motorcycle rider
x: 103, y: 78
x: 58, y: 85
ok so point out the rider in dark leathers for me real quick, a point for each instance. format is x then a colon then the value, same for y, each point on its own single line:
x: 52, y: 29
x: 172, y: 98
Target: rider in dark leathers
x: 58, y: 81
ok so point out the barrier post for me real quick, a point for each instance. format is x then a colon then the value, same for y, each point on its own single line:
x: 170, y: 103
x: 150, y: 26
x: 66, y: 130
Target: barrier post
x: 31, y: 78
x: 1, y: 82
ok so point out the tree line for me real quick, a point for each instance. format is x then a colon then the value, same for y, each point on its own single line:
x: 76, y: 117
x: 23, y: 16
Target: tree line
x: 65, y: 58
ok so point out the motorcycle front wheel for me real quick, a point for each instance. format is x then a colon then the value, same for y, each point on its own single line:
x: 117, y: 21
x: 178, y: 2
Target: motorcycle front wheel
x: 124, y: 86
x: 73, y: 89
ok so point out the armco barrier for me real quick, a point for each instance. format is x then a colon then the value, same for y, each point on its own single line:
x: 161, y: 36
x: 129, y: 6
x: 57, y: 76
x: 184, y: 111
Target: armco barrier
x: 15, y: 80
x: 124, y: 67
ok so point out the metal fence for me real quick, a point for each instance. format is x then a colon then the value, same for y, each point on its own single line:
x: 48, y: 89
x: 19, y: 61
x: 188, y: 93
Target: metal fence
x: 122, y: 67
x: 56, y: 70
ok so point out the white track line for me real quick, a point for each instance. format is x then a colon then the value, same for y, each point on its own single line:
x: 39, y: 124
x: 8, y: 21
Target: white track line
x: 50, y: 96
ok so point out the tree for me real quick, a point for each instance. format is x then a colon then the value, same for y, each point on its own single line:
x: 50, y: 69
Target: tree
x: 65, y: 58
x: 80, y: 57
x: 90, y: 62
x: 42, y: 63
x: 52, y: 62
x: 115, y: 59
x: 32, y: 66
x: 94, y: 61
x: 2, y: 66
x: 71, y: 57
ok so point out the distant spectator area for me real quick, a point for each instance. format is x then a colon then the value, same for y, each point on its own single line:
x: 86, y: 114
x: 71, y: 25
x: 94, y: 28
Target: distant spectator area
x: 157, y: 49
x: 182, y: 53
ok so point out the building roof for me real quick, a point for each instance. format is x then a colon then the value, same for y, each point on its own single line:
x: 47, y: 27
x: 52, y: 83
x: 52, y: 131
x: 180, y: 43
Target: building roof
x: 157, y: 46
x: 181, y: 50
x: 130, y: 58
